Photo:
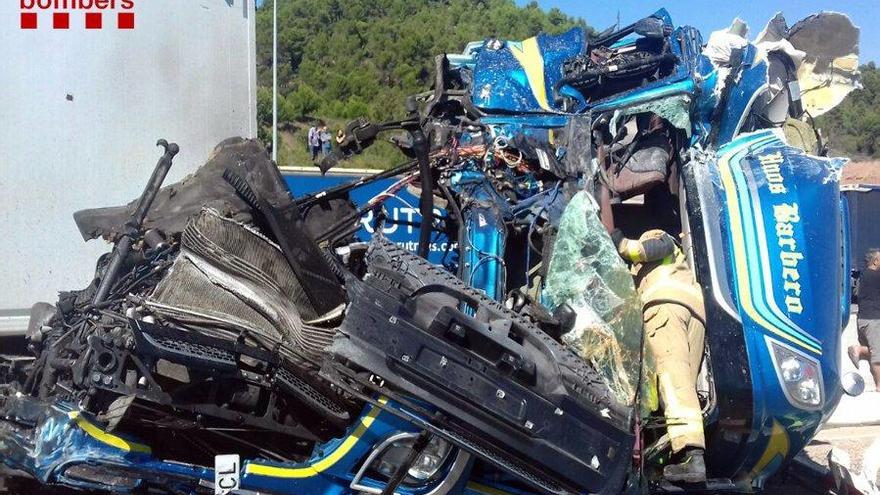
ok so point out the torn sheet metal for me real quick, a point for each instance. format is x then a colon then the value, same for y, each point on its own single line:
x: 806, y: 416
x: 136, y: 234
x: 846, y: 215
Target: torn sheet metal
x: 176, y: 203
x: 722, y: 44
x: 774, y: 37
x: 519, y: 76
x: 830, y: 70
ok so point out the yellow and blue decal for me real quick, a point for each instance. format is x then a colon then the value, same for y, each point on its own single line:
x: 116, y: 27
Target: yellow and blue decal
x: 327, y: 457
x: 781, y: 242
x: 68, y: 439
x: 71, y: 438
x: 105, y: 437
x: 333, y: 464
x: 528, y: 54
x: 757, y: 255
x: 519, y: 76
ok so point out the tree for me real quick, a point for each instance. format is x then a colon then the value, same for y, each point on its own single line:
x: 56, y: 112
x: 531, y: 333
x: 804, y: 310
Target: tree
x: 264, y: 106
x: 304, y: 101
x: 853, y: 128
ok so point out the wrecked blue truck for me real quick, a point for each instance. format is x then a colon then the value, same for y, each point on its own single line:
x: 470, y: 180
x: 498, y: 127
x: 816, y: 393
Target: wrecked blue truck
x: 238, y: 339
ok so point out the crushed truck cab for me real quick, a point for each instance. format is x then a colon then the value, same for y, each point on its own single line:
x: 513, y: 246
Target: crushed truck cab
x: 492, y: 339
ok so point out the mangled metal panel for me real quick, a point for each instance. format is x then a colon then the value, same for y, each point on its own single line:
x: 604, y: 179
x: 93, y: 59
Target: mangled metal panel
x: 512, y: 75
x: 829, y: 71
x: 676, y: 109
x: 824, y: 50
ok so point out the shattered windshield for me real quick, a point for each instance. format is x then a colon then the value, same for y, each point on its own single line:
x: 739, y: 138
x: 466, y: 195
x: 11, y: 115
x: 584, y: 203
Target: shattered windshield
x: 587, y: 274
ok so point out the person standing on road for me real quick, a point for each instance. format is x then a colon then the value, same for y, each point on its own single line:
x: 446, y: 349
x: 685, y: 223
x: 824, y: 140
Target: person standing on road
x: 315, y: 139
x: 326, y: 147
x: 868, y: 321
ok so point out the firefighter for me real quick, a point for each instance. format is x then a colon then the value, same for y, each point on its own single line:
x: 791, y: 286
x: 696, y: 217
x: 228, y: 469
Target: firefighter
x: 672, y: 302
x: 673, y: 316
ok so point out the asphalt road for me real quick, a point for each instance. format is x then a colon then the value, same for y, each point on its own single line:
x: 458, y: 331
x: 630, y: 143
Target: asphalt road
x: 857, y: 441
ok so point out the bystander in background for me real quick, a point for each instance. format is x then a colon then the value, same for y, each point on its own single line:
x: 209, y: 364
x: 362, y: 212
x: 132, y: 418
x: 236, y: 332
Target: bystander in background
x: 314, y: 139
x: 326, y: 147
x: 868, y: 348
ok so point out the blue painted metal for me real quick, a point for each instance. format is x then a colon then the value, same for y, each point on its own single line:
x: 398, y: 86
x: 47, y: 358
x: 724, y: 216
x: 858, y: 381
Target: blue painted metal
x: 846, y: 258
x: 646, y: 94
x: 501, y: 83
x: 753, y: 81
x: 333, y: 465
x: 783, y: 260
x: 69, y: 438
x: 484, y: 212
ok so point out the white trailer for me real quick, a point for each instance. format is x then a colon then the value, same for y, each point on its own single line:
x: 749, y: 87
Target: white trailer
x: 81, y: 110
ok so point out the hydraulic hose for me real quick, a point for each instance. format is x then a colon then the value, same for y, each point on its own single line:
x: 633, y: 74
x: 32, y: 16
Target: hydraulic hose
x: 426, y: 197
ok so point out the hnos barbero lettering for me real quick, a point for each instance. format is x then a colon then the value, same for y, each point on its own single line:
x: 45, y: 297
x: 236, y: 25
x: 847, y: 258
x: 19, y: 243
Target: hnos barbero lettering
x: 787, y: 216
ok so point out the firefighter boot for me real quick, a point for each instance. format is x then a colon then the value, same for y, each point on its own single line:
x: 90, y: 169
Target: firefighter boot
x: 691, y: 469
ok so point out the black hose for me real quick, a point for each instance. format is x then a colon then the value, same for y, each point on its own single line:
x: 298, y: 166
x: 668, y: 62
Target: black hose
x: 346, y: 221
x: 342, y: 189
x: 134, y: 223
x: 426, y: 198
x: 120, y: 253
x: 402, y: 470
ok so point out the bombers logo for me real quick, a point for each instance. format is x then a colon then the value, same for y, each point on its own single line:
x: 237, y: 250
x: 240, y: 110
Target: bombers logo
x: 88, y: 12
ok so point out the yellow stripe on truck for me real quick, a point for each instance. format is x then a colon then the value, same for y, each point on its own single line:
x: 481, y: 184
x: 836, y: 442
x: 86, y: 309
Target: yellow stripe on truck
x: 104, y: 437
x: 740, y: 257
x: 327, y: 462
x: 528, y: 54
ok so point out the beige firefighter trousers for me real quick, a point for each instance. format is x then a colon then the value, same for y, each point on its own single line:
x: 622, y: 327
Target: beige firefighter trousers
x: 676, y: 340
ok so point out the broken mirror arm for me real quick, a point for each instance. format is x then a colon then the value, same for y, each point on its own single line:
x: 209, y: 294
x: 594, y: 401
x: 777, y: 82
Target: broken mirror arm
x: 361, y: 133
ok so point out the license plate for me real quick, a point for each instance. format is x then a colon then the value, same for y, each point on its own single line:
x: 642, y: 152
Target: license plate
x: 226, y: 474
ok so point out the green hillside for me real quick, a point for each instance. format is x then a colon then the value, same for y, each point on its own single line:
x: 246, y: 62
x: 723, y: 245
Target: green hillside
x: 853, y: 128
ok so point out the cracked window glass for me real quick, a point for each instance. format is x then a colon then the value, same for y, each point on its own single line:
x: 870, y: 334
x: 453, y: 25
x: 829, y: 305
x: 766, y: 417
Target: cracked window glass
x: 587, y: 273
